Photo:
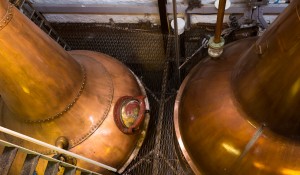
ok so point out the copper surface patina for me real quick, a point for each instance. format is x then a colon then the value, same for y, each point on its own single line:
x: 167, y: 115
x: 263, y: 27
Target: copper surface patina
x: 48, y: 93
x: 239, y: 115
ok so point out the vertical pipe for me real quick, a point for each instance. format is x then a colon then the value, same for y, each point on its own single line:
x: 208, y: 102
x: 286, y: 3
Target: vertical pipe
x: 164, y: 23
x: 220, y: 17
x: 177, y: 43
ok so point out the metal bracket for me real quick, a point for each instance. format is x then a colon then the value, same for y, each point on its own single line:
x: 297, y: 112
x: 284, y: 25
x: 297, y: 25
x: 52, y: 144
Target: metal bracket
x: 254, y: 15
x: 257, y: 15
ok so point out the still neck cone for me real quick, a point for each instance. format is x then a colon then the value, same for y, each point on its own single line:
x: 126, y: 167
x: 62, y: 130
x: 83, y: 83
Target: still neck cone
x: 38, y: 78
x: 266, y: 80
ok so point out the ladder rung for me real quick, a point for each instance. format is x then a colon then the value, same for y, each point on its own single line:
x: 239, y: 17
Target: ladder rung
x: 52, y: 168
x: 6, y: 159
x: 30, y: 164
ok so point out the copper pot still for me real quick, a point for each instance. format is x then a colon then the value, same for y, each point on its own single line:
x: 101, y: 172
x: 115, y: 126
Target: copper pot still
x: 240, y: 114
x: 82, y: 101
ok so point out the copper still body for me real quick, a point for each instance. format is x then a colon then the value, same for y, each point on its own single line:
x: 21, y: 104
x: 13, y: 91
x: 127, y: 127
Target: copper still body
x: 89, y: 99
x: 240, y: 114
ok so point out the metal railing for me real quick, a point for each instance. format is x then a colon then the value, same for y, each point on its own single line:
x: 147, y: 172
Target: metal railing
x: 32, y: 157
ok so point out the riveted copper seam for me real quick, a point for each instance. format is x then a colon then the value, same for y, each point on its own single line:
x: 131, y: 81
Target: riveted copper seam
x: 69, y: 106
x: 7, y: 17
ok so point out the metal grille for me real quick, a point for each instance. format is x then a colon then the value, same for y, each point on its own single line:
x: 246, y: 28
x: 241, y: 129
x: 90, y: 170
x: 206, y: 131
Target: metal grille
x: 143, y: 52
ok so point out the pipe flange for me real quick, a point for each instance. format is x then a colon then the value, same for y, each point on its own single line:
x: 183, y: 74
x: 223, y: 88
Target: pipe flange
x: 215, y: 50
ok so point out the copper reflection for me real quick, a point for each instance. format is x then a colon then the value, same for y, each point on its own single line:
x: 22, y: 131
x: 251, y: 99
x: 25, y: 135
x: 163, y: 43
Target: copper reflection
x: 239, y: 114
x: 48, y: 93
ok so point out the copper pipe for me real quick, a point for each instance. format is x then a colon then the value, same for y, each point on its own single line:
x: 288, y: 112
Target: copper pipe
x: 219, y: 24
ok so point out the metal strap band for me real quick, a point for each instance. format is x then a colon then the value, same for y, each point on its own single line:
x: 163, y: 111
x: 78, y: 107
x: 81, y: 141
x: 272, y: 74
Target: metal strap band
x: 7, y: 17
